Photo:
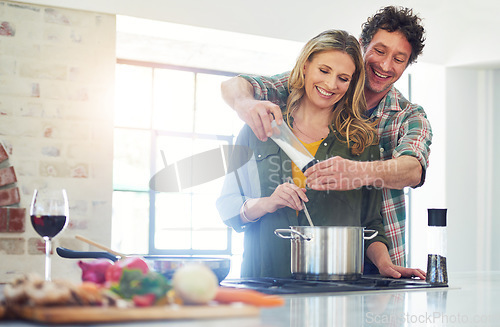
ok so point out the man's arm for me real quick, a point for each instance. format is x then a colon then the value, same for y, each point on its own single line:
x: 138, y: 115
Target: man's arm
x: 396, y: 173
x: 342, y: 174
x: 238, y: 94
x: 406, y: 168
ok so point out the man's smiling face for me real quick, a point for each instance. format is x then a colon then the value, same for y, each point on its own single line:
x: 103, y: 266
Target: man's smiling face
x: 386, y: 58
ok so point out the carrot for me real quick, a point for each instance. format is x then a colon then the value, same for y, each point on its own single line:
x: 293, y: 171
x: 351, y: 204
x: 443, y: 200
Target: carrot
x: 230, y: 295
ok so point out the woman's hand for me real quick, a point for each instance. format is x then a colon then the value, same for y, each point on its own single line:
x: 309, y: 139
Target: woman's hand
x: 287, y: 195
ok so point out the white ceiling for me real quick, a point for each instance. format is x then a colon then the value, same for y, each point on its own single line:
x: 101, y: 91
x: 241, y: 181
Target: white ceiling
x: 459, y: 32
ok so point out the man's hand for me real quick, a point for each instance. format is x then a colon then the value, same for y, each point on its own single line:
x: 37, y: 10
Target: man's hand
x: 338, y: 174
x: 259, y: 115
x: 391, y: 270
x: 341, y: 174
x: 238, y: 94
x: 378, y: 254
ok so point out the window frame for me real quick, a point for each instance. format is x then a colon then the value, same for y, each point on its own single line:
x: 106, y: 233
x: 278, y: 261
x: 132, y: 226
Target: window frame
x: 155, y: 134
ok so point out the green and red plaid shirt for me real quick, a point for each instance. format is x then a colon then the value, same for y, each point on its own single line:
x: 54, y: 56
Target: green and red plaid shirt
x: 403, y: 129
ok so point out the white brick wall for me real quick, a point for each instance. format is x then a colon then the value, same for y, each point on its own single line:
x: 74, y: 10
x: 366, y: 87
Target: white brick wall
x: 56, y: 109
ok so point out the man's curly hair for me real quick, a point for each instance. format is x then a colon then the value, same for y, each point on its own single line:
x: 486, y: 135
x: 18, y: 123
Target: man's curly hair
x: 396, y: 19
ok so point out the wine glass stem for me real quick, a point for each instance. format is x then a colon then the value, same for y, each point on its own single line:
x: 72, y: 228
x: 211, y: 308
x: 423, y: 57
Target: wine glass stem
x: 48, y: 250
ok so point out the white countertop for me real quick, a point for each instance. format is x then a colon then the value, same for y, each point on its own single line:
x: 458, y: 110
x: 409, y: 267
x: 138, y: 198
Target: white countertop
x: 470, y: 300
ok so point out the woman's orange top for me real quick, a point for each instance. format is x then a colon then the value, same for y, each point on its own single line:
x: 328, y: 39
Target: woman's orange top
x: 298, y: 177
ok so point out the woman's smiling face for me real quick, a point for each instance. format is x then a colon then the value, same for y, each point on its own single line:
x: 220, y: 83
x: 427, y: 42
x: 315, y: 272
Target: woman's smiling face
x: 327, y: 78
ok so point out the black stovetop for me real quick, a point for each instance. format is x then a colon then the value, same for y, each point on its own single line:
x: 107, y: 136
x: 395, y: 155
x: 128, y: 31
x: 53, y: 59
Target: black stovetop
x: 270, y: 285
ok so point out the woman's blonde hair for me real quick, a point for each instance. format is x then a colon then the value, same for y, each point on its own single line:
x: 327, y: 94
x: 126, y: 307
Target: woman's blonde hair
x: 347, y: 116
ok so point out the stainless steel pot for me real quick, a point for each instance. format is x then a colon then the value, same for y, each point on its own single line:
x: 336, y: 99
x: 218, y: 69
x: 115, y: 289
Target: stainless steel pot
x: 326, y: 252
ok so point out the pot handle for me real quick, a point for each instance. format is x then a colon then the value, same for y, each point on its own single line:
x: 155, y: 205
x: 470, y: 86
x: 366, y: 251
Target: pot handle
x: 72, y: 254
x: 375, y: 233
x: 292, y: 232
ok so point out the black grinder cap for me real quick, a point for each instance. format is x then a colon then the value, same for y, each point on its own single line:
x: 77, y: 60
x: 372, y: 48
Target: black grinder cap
x: 436, y: 217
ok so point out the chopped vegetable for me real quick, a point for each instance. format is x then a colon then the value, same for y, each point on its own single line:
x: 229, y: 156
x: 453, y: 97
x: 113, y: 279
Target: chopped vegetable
x: 94, y: 271
x: 230, y: 295
x: 114, y: 273
x: 145, y: 300
x: 133, y: 282
x: 195, y: 283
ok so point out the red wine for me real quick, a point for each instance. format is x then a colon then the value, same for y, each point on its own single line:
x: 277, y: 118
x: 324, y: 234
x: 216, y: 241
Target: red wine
x: 47, y: 225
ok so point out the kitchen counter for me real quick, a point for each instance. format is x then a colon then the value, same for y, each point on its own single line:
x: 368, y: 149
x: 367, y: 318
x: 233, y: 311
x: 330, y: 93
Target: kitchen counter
x: 470, y: 300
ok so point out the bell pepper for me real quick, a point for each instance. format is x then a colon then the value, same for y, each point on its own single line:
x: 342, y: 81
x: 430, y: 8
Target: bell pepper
x: 144, y: 300
x: 114, y: 272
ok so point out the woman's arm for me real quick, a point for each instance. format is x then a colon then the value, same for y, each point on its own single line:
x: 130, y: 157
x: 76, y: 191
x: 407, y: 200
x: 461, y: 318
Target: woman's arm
x: 285, y: 195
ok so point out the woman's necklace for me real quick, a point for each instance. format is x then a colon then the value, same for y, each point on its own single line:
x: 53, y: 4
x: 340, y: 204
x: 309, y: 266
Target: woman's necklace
x: 315, y: 138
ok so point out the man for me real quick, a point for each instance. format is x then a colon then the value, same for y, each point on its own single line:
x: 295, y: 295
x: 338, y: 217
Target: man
x: 391, y: 40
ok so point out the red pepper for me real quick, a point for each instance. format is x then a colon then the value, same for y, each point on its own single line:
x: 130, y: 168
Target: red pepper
x: 114, y: 272
x: 145, y: 300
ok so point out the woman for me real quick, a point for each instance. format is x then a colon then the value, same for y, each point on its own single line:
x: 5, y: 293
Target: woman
x: 325, y: 111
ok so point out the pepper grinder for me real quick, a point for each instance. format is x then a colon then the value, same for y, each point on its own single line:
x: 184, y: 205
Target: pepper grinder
x: 291, y: 145
x: 436, y: 239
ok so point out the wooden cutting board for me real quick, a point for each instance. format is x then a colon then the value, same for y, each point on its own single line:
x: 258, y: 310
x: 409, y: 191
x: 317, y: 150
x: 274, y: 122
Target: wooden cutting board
x: 68, y: 315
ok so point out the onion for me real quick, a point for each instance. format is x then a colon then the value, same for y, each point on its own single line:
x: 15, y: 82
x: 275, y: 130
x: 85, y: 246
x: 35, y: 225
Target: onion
x: 195, y: 283
x: 94, y: 271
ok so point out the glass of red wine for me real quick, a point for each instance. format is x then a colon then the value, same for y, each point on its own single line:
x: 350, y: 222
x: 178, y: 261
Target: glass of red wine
x: 49, y: 215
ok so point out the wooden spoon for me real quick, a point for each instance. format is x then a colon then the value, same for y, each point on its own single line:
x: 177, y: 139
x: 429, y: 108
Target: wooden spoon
x: 100, y: 246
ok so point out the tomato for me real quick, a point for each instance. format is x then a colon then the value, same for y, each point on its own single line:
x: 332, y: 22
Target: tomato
x: 114, y: 272
x: 145, y: 300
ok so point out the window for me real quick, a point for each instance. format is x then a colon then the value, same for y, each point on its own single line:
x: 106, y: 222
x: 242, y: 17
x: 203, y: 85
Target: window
x: 164, y: 114
x: 178, y: 110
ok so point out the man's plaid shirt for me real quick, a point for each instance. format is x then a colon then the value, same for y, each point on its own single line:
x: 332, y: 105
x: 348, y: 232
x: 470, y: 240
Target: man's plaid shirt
x: 403, y: 129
